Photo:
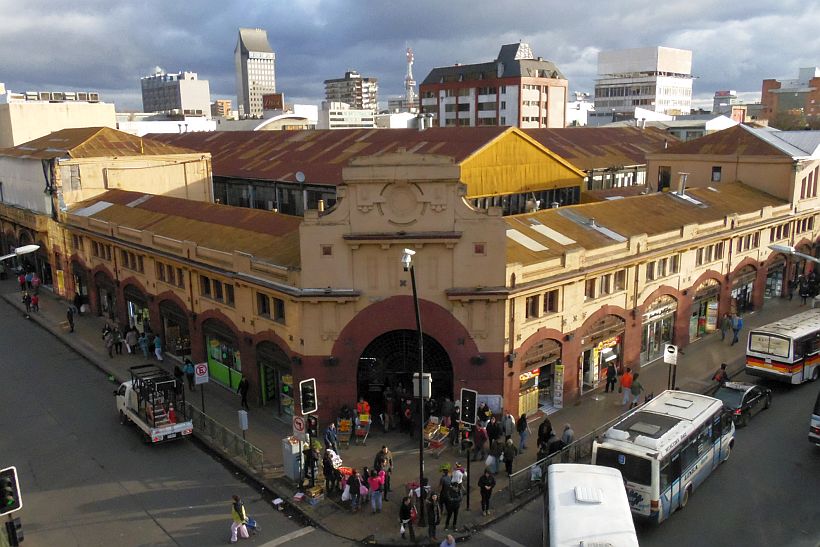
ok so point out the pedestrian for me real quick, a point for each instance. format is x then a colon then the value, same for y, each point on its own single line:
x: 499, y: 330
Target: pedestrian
x: 35, y: 283
x: 117, y: 340
x: 406, y: 519
x: 611, y: 377
x: 376, y: 484
x: 432, y: 511
x: 143, y: 343
x: 481, y: 440
x: 452, y: 503
x: 544, y: 430
x: 635, y: 390
x: 458, y: 476
x: 554, y: 444
x: 108, y: 340
x: 21, y: 279
x: 721, y: 376
x: 486, y: 483
x: 543, y: 451
x: 626, y: 385
x: 496, y: 449
x: 27, y: 302
x: 328, y: 471
x: 332, y: 438
x: 384, y: 462
x: 725, y: 326
x: 510, y: 452
x: 523, y: 429
x: 239, y: 517
x: 69, y: 314
x: 355, y: 484
x: 29, y: 277
x: 78, y: 303
x: 569, y: 435
x: 508, y: 425
x: 188, y: 369
x: 131, y: 340
x: 35, y: 302
x: 494, y: 430
x: 449, y: 541
x: 737, y: 324
x: 242, y: 389
x: 158, y: 347
x: 483, y: 414
x: 178, y: 375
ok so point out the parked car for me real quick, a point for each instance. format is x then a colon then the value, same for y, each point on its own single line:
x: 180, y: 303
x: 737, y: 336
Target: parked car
x: 814, y: 426
x: 744, y: 400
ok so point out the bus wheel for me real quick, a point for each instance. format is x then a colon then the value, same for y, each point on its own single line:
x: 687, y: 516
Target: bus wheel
x: 728, y: 453
x: 815, y: 374
x: 685, y: 499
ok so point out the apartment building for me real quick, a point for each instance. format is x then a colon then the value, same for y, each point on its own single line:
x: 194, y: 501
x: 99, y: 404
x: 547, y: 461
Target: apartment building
x: 182, y: 93
x: 255, y: 63
x: 357, y: 91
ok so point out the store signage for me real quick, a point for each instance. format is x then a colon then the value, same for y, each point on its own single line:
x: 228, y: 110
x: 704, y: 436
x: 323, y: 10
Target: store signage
x: 529, y: 374
x: 558, y: 390
x: 652, y: 314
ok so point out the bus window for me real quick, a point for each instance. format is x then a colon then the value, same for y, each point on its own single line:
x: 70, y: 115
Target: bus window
x: 633, y: 468
x: 726, y: 419
x: 666, y: 475
x: 717, y: 426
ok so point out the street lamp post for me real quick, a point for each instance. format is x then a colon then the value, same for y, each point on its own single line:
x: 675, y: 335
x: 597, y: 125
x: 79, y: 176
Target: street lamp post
x: 19, y: 251
x: 407, y: 262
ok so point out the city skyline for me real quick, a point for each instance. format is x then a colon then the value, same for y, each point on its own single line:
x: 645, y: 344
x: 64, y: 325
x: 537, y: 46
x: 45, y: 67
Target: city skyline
x: 103, y: 48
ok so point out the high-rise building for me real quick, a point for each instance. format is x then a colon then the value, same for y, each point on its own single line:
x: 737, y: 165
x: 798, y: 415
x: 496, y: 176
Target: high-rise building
x: 221, y: 108
x: 163, y: 92
x: 800, y: 96
x: 359, y: 92
x: 653, y: 78
x: 516, y: 89
x: 255, y: 70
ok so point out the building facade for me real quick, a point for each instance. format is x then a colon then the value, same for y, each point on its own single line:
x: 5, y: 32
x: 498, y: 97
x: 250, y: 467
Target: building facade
x: 336, y: 115
x: 182, y: 92
x: 255, y: 70
x: 800, y: 96
x: 28, y: 116
x: 221, y: 108
x: 359, y: 92
x: 655, y: 78
x: 516, y: 89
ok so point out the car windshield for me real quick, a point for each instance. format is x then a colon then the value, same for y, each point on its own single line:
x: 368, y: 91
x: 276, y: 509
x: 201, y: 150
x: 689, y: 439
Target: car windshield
x: 730, y: 397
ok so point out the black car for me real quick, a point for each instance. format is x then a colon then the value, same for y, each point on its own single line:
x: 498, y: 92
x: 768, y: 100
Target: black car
x: 744, y: 400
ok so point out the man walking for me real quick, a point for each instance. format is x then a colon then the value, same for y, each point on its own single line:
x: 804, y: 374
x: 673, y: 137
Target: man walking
x: 242, y: 389
x: 332, y: 439
x: 626, y: 385
x: 725, y: 326
x: 721, y: 376
x: 635, y: 390
x: 69, y: 314
x: 737, y: 324
x: 611, y: 377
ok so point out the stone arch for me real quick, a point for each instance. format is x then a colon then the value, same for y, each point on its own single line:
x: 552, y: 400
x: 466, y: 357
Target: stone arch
x: 536, y: 359
x: 602, y: 338
x: 277, y: 386
x: 105, y: 289
x: 222, y: 344
x: 744, y: 286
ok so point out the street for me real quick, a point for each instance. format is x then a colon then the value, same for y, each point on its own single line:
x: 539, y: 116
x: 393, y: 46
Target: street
x: 764, y: 495
x: 87, y: 480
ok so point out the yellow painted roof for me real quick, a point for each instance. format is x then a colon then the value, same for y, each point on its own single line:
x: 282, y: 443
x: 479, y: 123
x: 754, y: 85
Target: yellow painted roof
x: 652, y: 214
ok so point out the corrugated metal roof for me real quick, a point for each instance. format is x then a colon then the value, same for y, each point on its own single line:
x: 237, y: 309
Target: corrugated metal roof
x: 266, y: 235
x: 322, y: 154
x: 91, y: 142
x: 652, y: 214
x: 738, y: 140
x: 602, y: 147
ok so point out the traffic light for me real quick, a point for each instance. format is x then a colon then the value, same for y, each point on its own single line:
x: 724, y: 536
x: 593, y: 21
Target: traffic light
x: 14, y: 531
x: 469, y: 400
x: 467, y: 443
x: 312, y: 427
x: 308, y: 398
x: 10, y: 499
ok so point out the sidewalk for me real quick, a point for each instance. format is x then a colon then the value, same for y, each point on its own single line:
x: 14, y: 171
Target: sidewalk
x: 695, y: 369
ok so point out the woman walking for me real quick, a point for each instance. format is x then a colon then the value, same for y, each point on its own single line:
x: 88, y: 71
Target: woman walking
x: 523, y: 429
x: 433, y: 514
x: 485, y: 485
x: 239, y: 518
x: 510, y: 452
x: 406, y: 519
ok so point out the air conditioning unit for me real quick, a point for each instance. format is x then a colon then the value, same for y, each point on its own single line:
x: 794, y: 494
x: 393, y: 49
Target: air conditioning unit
x: 82, y: 96
x: 57, y: 96
x: 43, y: 95
x: 93, y: 97
x: 69, y: 95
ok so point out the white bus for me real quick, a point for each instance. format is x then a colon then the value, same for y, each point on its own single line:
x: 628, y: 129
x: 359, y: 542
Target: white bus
x: 665, y: 449
x: 787, y: 350
x: 586, y: 505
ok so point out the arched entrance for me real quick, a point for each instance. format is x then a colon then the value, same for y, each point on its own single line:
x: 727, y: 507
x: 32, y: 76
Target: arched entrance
x: 175, y: 332
x: 743, y: 282
x: 658, y: 327
x: 601, y: 344
x: 42, y: 264
x: 222, y: 350
x: 136, y: 307
x: 80, y: 276
x: 390, y: 361
x: 703, y: 316
x: 275, y: 378
x: 106, y: 296
x: 537, y: 383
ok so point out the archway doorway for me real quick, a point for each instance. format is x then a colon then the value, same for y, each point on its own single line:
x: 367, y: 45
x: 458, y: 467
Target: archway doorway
x: 390, y: 360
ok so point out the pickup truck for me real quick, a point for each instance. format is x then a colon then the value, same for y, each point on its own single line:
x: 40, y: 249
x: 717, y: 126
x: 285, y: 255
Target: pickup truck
x: 155, y: 401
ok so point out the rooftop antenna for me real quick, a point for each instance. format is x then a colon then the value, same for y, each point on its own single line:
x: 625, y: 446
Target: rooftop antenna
x: 410, y: 96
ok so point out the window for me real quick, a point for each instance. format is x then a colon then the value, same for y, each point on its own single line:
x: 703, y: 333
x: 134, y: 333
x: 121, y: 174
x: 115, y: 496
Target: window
x: 278, y: 310
x: 479, y: 249
x: 229, y: 299
x: 74, y: 179
x: 532, y: 307
x: 216, y: 286
x: 262, y: 305
x: 620, y: 280
x: 664, y: 177
x: 204, y: 286
x: 650, y: 271
x: 551, y: 301
x: 160, y: 267
x: 327, y: 250
x: 606, y: 284
x: 589, y: 289
x: 716, y: 173
x: 180, y: 279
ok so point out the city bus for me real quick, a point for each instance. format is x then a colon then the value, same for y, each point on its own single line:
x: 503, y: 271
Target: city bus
x: 787, y: 350
x: 586, y: 505
x: 665, y: 449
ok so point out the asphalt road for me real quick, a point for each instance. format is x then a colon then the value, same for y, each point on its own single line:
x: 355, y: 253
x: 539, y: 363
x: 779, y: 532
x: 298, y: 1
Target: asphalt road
x: 87, y: 480
x: 765, y: 495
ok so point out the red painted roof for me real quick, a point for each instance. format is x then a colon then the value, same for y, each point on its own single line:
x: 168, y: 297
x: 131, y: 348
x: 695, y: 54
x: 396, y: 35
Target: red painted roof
x: 321, y: 154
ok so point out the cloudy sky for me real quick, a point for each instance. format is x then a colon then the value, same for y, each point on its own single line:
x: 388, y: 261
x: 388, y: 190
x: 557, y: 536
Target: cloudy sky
x: 106, y: 46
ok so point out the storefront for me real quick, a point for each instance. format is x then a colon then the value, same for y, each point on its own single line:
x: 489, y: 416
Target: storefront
x: 276, y: 379
x: 538, y: 377
x: 42, y: 265
x: 175, y: 331
x: 658, y: 328
x: 602, y: 345
x: 80, y: 277
x: 703, y: 318
x: 742, y: 286
x: 775, y: 276
x: 136, y: 308
x: 222, y: 349
x: 106, y: 296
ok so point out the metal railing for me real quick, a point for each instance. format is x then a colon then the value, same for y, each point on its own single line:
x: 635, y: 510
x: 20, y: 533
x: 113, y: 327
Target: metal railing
x: 580, y: 451
x: 225, y: 441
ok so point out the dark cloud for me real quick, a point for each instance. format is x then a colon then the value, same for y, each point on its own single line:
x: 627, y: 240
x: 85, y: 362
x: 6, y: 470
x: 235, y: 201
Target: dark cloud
x: 108, y: 46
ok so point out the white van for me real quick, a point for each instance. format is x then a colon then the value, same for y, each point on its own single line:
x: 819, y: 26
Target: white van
x: 586, y: 505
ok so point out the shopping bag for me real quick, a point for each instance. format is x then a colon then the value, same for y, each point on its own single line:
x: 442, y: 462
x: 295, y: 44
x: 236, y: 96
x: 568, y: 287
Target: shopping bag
x: 401, y: 529
x: 490, y: 461
x: 346, y: 493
